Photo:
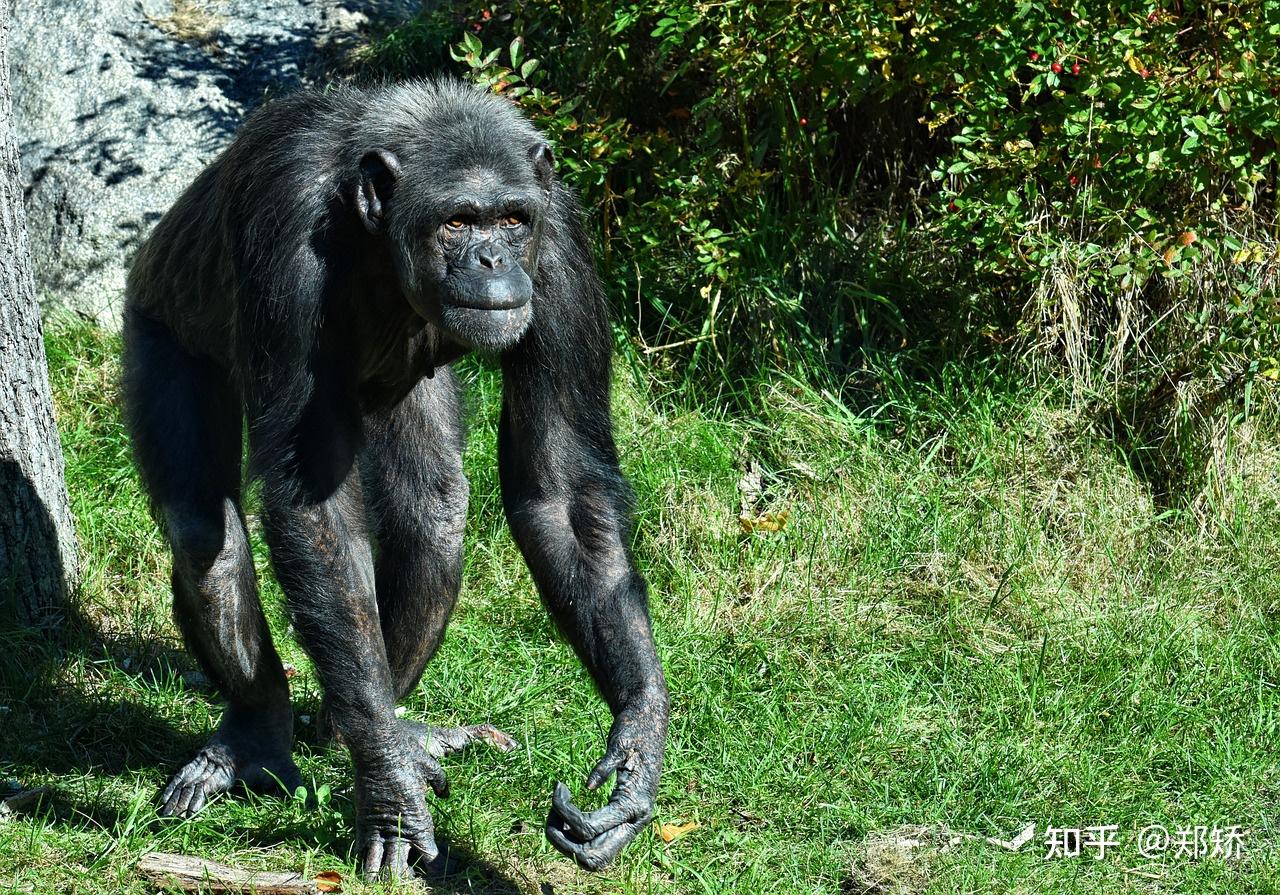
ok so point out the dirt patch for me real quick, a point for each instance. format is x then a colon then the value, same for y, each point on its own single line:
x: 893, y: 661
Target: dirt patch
x: 896, y: 862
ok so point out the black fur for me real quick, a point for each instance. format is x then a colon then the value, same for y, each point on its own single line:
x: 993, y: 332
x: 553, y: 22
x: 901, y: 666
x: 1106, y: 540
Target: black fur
x: 315, y: 282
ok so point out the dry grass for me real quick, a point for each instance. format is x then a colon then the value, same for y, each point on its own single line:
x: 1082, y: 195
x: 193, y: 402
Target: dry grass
x: 193, y: 22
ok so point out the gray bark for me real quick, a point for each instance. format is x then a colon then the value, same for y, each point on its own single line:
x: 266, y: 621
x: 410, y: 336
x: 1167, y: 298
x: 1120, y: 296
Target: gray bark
x: 39, y: 561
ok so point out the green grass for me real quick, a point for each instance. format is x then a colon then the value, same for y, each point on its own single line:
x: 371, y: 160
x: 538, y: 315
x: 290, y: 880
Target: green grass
x: 974, y: 617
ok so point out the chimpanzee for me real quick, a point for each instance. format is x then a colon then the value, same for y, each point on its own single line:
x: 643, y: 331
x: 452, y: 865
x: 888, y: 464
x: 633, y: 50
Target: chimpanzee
x: 314, y: 283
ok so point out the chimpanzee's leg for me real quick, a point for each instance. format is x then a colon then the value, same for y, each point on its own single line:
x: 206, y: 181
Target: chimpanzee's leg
x: 416, y: 493
x: 185, y: 424
x: 417, y: 498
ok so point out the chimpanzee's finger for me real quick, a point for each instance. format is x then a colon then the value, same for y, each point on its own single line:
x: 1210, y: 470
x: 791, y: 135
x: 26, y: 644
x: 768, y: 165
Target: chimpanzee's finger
x: 430, y: 773
x: 599, y: 852
x: 622, y: 808
x: 426, y: 845
x: 198, y: 799
x: 373, y: 858
x: 189, y: 773
x: 614, y: 759
x: 395, y: 860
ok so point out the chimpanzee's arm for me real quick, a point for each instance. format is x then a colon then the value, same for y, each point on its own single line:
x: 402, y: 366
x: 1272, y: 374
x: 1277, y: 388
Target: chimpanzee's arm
x: 568, y: 506
x: 304, y: 432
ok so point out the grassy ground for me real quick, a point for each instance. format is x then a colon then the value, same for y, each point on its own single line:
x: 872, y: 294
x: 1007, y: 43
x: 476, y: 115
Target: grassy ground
x: 972, y: 618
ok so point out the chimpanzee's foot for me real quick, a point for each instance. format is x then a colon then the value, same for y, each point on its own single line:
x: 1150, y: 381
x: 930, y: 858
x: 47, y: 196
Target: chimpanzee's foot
x: 440, y: 741
x: 253, y: 750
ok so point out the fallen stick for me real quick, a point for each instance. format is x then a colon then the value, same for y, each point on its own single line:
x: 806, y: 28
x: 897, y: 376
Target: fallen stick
x: 20, y: 801
x: 198, y: 875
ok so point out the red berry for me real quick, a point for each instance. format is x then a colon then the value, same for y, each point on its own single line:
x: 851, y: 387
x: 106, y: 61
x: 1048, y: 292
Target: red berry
x: 953, y: 207
x: 1144, y: 72
x: 1155, y: 14
x: 486, y: 15
x: 476, y: 27
x: 1073, y: 180
x: 804, y: 121
x: 1075, y: 68
x: 1033, y: 56
x: 1056, y: 68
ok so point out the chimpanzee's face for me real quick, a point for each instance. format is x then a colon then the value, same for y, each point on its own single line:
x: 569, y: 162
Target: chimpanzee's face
x: 466, y: 244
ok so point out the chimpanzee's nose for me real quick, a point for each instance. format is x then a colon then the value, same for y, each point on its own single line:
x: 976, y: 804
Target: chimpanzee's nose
x: 492, y: 258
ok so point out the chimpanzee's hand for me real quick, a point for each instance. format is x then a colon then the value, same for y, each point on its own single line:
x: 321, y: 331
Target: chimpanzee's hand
x: 392, y: 820
x: 595, y: 838
x: 393, y: 816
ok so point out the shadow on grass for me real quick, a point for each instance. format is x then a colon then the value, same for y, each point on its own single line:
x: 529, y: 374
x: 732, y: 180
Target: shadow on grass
x: 84, y: 730
x: 57, y: 725
x: 87, y: 735
x: 47, y: 722
x: 460, y: 870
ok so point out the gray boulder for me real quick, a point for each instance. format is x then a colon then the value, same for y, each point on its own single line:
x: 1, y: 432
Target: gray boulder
x: 120, y: 103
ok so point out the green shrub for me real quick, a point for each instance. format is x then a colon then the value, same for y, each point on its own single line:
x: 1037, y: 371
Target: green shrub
x: 1089, y: 184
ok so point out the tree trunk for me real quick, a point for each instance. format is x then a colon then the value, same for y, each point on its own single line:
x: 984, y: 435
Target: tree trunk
x: 39, y: 561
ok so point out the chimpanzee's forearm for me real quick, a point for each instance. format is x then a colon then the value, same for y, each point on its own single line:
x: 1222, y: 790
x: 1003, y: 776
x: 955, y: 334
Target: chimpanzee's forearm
x: 324, y: 563
x: 573, y: 544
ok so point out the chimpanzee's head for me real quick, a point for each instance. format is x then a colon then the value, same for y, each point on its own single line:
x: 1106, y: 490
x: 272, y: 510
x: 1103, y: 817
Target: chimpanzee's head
x: 462, y: 203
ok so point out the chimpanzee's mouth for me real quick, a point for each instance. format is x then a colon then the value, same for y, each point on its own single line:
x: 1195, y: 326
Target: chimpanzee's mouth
x: 486, y: 329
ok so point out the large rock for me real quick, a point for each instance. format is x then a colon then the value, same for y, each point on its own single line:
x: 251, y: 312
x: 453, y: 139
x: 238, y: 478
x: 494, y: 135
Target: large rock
x: 120, y: 103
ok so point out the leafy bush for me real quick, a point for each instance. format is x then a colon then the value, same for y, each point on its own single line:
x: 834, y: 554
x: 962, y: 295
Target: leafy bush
x: 1092, y: 185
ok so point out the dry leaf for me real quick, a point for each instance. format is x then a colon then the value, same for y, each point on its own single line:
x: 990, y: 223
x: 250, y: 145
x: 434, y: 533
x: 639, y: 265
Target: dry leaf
x: 671, y: 832
x: 764, y: 521
x: 329, y: 881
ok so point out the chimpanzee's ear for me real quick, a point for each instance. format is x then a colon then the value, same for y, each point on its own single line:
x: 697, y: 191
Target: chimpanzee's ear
x: 379, y: 171
x: 544, y: 162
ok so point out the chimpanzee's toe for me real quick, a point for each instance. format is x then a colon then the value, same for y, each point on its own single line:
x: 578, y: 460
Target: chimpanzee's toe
x: 212, y: 771
x: 217, y: 768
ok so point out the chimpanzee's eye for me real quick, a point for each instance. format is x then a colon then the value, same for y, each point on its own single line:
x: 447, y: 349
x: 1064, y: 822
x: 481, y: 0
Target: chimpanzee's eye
x: 511, y: 220
x: 455, y: 223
